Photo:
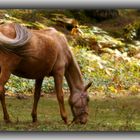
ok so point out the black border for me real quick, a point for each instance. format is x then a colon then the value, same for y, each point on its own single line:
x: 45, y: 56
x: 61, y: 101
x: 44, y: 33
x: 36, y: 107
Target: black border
x: 70, y: 135
x: 69, y: 4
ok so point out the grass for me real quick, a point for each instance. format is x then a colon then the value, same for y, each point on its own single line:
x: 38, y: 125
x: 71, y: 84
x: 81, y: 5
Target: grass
x: 106, y: 114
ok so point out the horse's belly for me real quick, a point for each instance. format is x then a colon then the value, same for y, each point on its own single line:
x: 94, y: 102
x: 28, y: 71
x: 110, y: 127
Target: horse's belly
x: 33, y: 71
x: 30, y: 75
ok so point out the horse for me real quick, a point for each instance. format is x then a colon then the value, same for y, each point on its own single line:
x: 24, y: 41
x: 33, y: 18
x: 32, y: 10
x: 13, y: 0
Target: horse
x: 34, y: 54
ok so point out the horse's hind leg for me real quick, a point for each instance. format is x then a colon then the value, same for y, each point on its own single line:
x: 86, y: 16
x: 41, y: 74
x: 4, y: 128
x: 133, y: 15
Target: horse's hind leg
x: 2, y: 98
x: 58, y: 79
x: 4, y: 76
x: 36, y: 98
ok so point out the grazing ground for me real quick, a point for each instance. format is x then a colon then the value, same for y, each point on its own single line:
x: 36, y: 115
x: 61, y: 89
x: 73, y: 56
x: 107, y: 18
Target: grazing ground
x: 106, y: 114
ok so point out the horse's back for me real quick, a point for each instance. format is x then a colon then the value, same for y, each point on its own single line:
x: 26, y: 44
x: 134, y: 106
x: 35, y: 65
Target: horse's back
x: 41, y: 57
x: 47, y: 52
x: 50, y: 49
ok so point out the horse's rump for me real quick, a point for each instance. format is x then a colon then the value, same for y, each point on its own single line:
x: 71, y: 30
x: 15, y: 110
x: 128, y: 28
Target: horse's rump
x: 15, y: 45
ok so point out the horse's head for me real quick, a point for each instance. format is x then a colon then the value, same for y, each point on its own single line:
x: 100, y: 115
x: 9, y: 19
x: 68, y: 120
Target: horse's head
x: 79, y: 105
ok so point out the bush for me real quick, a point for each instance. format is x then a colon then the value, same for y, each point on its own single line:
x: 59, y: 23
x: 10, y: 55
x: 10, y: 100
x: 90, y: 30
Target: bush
x: 132, y: 31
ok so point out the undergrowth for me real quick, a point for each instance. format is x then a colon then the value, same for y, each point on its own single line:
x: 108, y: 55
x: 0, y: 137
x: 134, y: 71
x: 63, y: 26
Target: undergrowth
x: 110, y: 74
x: 107, y: 61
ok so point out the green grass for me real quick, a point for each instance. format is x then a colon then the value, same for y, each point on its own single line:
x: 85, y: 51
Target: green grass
x: 106, y: 114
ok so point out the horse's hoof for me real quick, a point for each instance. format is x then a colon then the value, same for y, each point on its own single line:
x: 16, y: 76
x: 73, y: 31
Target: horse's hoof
x: 35, y: 121
x: 66, y: 122
x: 74, y: 121
x: 71, y: 123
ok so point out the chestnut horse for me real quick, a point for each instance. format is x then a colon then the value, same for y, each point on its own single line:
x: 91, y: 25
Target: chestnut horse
x: 34, y: 54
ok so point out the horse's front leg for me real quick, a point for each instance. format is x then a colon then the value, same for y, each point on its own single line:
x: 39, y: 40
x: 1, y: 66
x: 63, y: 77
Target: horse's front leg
x: 4, y: 76
x: 37, y: 92
x: 58, y: 79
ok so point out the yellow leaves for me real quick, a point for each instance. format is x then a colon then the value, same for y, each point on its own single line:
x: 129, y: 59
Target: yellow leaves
x: 134, y: 89
x: 76, y: 31
x: 100, y: 65
x: 90, y: 69
x: 24, y: 84
x: 112, y: 89
x: 116, y: 86
x: 117, y: 89
x: 108, y: 50
x: 121, y: 56
x: 108, y: 71
x: 35, y: 25
x: 100, y: 89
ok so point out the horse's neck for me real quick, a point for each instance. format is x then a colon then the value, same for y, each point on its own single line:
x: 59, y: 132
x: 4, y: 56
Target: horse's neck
x: 74, y: 77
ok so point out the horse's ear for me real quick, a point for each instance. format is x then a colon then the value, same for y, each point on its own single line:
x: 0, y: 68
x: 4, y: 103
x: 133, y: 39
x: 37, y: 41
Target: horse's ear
x: 87, y: 86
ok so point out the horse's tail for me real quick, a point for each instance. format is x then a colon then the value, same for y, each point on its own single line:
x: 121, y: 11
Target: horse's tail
x: 15, y: 45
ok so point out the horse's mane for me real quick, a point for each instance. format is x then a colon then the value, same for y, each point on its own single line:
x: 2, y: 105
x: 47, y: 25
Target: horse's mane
x: 15, y: 45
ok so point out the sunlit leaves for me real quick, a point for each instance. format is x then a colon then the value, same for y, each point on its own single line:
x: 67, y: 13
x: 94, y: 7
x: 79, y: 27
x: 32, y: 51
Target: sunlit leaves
x: 111, y: 73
